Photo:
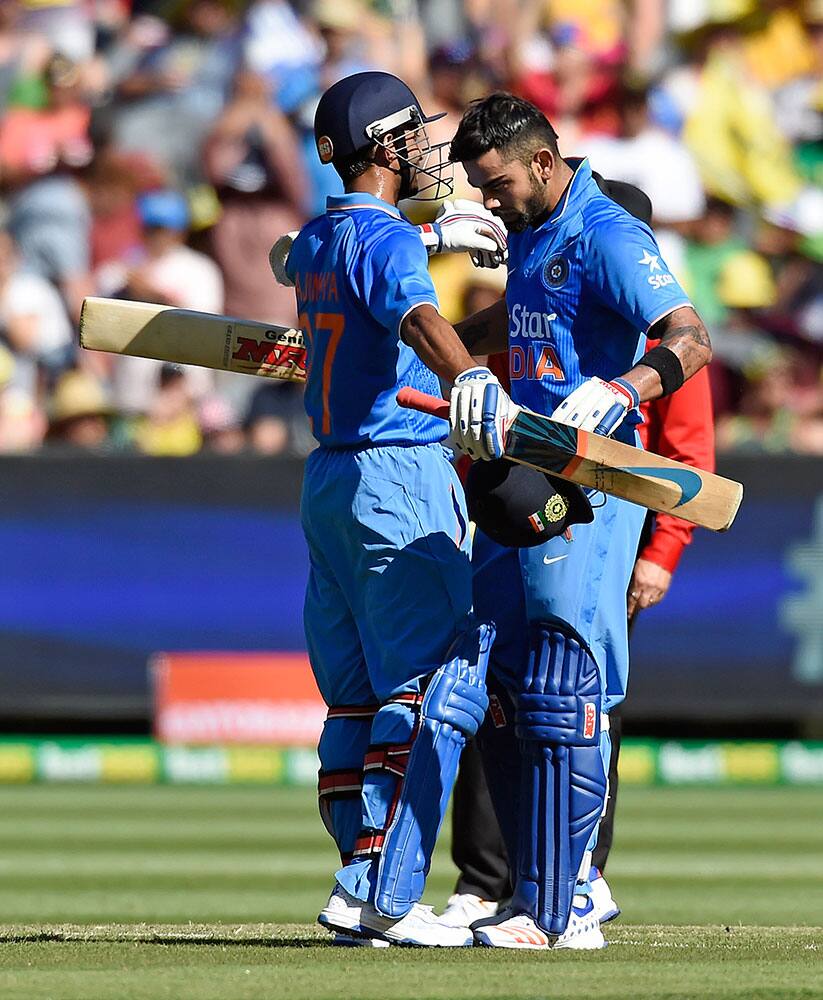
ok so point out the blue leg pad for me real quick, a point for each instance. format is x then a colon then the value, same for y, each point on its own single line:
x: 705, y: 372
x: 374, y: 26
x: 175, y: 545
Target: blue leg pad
x: 410, y: 770
x: 563, y: 781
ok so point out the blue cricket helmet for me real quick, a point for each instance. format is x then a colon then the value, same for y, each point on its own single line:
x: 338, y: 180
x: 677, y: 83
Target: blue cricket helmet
x: 358, y: 109
x: 361, y: 110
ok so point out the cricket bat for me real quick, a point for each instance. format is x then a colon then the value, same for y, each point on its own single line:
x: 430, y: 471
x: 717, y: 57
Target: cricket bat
x: 183, y: 336
x: 615, y: 468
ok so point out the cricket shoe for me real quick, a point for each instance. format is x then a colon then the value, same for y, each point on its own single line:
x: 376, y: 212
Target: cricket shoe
x: 463, y: 908
x: 601, y: 896
x: 342, y: 913
x: 420, y: 926
x: 583, y: 929
x: 519, y: 930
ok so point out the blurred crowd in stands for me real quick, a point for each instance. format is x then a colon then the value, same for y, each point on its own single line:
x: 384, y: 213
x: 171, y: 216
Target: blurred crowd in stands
x: 155, y: 149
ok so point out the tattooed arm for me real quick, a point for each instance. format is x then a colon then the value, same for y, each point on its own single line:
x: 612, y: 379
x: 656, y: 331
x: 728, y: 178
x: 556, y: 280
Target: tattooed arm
x: 487, y: 331
x: 684, y: 334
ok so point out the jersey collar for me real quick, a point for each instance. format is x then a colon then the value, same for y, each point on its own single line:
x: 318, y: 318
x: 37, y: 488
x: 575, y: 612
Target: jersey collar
x: 578, y: 191
x: 358, y: 200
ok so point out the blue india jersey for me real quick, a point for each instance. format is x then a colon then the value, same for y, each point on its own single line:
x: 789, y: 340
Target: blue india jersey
x: 358, y: 271
x: 582, y: 291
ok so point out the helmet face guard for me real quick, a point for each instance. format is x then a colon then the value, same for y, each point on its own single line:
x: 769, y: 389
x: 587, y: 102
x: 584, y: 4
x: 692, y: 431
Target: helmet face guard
x: 426, y: 172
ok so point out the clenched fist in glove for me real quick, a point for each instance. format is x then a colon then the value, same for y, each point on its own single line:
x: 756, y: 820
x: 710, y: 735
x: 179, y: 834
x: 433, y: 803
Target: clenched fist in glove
x: 597, y: 405
x: 480, y: 414
x: 278, y: 255
x: 466, y: 226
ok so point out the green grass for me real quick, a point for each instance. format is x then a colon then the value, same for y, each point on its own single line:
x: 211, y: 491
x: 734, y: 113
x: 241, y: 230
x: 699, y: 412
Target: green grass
x: 207, y: 892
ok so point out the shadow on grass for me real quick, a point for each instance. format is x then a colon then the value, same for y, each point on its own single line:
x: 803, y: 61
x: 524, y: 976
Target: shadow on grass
x: 261, y: 941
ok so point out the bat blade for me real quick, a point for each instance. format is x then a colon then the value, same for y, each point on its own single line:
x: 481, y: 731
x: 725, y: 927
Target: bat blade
x: 597, y: 462
x: 184, y: 336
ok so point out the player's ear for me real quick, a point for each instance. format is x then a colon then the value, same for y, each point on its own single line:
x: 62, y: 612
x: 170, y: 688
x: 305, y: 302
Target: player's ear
x: 542, y: 165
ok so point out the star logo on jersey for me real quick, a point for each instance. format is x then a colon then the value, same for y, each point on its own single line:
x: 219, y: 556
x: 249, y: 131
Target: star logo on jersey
x: 650, y: 260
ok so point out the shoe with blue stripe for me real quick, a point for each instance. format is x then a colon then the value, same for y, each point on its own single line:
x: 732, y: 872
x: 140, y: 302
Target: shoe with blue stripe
x: 601, y: 896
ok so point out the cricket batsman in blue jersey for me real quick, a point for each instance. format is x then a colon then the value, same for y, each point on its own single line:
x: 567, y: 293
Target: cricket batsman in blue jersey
x: 586, y: 284
x: 395, y: 648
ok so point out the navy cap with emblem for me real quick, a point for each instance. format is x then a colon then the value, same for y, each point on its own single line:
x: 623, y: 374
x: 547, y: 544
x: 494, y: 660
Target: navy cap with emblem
x: 519, y: 507
x: 358, y: 109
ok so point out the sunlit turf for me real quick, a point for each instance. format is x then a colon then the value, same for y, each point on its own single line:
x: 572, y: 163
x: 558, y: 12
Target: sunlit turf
x: 211, y: 892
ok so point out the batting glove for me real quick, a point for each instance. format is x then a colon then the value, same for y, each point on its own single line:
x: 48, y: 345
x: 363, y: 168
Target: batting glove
x: 278, y: 255
x: 597, y: 405
x: 480, y: 414
x: 467, y: 227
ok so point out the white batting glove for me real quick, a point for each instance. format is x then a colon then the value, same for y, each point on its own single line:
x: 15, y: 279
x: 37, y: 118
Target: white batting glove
x: 486, y: 258
x: 279, y: 254
x: 480, y: 414
x: 466, y: 227
x: 598, y: 405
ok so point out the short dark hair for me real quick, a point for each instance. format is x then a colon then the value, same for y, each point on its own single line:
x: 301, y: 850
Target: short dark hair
x: 356, y: 163
x: 504, y: 122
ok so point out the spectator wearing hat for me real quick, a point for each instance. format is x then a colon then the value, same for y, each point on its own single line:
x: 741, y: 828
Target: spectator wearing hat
x: 80, y: 412
x: 173, y: 274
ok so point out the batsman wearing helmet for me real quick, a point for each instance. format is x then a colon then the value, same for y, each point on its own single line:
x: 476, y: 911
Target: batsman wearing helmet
x: 585, y: 285
x: 396, y: 652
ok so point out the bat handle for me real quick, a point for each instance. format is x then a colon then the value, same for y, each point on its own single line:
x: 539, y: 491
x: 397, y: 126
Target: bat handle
x: 414, y: 399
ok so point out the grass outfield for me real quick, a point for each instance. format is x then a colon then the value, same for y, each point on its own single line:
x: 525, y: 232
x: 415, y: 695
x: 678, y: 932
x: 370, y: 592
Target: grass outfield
x: 157, y: 892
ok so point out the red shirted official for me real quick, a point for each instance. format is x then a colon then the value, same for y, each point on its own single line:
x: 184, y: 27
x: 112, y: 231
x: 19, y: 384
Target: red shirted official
x: 680, y: 426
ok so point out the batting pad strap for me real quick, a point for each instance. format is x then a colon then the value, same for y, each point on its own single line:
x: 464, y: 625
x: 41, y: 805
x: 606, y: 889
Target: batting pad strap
x: 563, y: 720
x: 392, y: 759
x: 369, y: 844
x: 339, y: 784
x: 412, y: 699
x: 352, y: 712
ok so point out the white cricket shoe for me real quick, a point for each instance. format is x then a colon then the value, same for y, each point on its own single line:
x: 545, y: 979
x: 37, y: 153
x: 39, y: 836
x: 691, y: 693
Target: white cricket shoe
x: 463, y: 908
x: 420, y: 926
x: 350, y: 916
x: 342, y: 912
x: 601, y: 896
x: 519, y: 930
x: 511, y: 930
x: 583, y: 929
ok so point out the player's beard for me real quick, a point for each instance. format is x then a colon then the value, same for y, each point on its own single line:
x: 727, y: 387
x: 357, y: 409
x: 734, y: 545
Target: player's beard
x: 533, y: 209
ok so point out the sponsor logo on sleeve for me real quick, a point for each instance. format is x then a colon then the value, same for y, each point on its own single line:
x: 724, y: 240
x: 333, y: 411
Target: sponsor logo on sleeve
x: 652, y: 261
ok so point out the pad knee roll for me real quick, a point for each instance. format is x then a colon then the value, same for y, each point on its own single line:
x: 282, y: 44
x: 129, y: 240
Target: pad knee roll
x: 561, y: 705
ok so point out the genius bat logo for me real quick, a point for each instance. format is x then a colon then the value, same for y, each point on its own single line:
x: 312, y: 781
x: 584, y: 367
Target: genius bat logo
x: 689, y: 482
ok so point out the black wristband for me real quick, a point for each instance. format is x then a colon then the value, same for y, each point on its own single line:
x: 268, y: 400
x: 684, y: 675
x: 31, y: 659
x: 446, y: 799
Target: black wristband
x: 667, y: 365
